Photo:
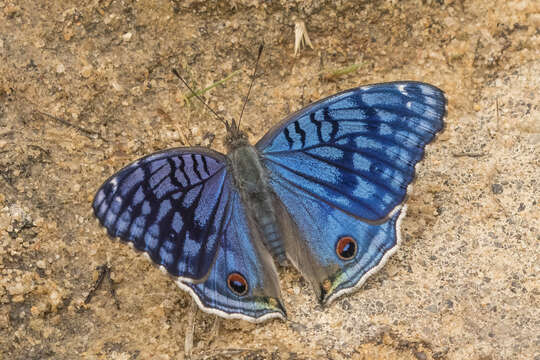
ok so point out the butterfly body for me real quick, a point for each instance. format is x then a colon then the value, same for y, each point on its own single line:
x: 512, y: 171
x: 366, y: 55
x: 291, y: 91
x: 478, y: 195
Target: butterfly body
x: 251, y: 181
x: 324, y: 189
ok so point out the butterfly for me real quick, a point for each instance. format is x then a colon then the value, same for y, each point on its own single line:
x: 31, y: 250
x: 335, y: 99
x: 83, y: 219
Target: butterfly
x: 324, y: 190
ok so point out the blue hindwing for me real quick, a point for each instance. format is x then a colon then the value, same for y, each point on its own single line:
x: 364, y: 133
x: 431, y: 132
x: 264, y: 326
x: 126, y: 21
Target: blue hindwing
x: 242, y: 252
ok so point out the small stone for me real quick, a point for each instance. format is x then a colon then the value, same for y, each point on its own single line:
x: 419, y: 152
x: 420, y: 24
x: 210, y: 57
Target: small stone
x: 497, y: 188
x: 535, y: 19
x: 127, y: 36
x: 116, y: 86
x: 297, y: 327
x: 68, y: 33
x: 41, y: 264
x: 136, y: 91
x: 39, y: 308
x: 16, y: 289
x: 55, y: 299
x: 345, y: 305
x: 60, y: 68
x: 12, y: 11
x: 86, y: 71
x: 534, y: 139
x: 39, y: 43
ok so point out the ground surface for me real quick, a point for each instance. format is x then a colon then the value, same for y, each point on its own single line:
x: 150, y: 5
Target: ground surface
x: 86, y: 87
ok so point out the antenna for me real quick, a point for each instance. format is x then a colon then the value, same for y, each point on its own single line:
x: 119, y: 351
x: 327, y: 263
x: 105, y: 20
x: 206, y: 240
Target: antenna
x: 175, y: 72
x: 250, y: 85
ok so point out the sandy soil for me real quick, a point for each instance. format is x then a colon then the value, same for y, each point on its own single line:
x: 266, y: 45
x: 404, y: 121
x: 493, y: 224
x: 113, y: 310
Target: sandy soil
x: 86, y: 87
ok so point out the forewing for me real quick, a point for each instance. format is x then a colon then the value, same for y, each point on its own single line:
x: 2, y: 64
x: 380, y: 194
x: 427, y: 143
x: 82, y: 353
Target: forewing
x: 241, y: 251
x: 171, y: 205
x: 357, y: 150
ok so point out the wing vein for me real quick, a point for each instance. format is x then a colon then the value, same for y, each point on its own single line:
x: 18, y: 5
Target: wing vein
x: 356, y: 172
x: 323, y: 183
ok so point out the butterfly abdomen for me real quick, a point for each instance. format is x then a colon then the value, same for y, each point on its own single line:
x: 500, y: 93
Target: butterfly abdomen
x: 250, y: 179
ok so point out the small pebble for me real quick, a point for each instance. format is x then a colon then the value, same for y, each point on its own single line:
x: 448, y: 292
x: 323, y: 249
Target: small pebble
x: 497, y: 188
x: 86, y: 71
x: 15, y: 289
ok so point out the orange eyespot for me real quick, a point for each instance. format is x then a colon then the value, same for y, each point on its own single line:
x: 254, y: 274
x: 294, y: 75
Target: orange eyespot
x: 346, y: 248
x: 237, y: 283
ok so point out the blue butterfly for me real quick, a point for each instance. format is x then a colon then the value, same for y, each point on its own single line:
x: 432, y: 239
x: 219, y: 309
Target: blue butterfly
x: 324, y: 189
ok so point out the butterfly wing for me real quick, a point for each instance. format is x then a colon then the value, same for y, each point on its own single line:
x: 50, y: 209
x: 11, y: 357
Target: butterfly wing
x: 241, y: 252
x: 171, y: 205
x: 340, y: 168
x: 179, y: 207
x: 314, y: 230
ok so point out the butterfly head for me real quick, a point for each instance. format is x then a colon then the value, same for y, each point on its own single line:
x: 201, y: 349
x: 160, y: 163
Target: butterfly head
x: 235, y: 137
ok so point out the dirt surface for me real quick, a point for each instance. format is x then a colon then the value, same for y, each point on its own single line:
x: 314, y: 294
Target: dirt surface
x: 86, y: 87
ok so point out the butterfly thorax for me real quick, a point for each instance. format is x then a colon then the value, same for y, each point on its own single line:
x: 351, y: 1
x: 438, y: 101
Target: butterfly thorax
x: 250, y: 179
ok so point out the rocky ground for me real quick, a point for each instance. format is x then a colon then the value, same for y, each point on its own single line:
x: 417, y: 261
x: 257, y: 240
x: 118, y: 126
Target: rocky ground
x: 86, y: 87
